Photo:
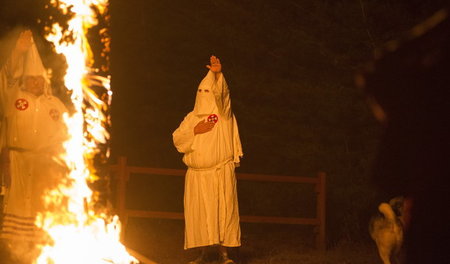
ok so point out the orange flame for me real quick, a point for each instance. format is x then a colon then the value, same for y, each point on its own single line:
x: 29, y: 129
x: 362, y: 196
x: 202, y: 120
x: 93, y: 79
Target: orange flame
x: 78, y: 234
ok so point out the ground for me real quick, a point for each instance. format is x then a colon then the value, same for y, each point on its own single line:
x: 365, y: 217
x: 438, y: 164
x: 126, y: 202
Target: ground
x: 162, y: 242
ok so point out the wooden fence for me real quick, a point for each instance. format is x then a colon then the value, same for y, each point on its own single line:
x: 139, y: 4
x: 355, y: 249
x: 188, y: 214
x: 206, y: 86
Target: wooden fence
x: 122, y: 172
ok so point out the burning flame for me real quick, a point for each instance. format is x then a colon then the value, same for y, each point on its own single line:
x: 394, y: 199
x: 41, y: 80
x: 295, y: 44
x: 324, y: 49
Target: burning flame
x: 77, y: 233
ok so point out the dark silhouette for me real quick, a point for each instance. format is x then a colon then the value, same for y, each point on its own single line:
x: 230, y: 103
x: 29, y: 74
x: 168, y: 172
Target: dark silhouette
x: 408, y: 88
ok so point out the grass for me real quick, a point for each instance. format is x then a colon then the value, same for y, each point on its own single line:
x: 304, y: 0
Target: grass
x: 162, y: 242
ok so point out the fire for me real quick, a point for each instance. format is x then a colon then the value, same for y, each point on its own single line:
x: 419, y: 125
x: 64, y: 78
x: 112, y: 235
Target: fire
x: 78, y: 233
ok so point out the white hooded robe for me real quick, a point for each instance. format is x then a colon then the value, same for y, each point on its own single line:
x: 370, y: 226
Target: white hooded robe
x: 210, y: 198
x: 32, y: 131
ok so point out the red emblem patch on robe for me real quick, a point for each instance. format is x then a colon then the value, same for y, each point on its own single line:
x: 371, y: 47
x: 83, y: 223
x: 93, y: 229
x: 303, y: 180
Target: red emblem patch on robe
x: 54, y: 114
x: 213, y: 118
x: 21, y: 104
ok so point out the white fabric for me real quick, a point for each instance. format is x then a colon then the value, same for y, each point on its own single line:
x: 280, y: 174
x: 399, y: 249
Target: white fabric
x: 33, y: 130
x: 33, y: 63
x: 205, y: 101
x: 210, y: 199
x: 36, y: 127
x: 33, y: 66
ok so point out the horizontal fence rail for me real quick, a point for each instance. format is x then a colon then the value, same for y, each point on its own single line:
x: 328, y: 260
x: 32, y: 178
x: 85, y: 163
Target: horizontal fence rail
x: 122, y: 174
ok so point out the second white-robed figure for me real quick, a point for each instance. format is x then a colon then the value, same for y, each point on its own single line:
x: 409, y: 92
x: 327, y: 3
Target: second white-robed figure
x: 32, y: 132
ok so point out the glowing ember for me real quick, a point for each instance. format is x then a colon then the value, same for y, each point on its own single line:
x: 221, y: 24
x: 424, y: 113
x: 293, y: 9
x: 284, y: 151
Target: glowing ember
x: 77, y: 233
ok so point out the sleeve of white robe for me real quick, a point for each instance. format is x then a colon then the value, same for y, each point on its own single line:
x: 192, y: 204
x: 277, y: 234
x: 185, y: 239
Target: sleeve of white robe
x: 237, y: 146
x: 223, y: 102
x: 222, y: 96
x: 10, y: 73
x: 183, y: 136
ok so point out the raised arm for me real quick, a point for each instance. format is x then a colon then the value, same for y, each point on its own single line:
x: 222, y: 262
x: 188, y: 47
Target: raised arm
x: 12, y: 70
x: 14, y: 65
x: 220, y: 88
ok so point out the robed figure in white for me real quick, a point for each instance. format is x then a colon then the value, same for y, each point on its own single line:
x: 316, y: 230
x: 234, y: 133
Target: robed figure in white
x: 32, y: 132
x: 209, y: 138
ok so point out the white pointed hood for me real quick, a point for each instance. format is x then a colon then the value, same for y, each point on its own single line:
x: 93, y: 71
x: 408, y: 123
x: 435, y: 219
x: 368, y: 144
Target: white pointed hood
x: 205, y: 102
x: 33, y: 66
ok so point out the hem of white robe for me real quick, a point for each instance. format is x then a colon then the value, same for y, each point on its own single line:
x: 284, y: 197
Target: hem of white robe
x: 213, y: 244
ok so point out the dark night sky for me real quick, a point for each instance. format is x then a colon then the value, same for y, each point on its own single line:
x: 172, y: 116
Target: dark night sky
x: 289, y: 65
x: 269, y: 59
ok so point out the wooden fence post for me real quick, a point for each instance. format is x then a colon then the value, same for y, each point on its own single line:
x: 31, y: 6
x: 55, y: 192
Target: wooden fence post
x: 122, y: 179
x: 321, y: 204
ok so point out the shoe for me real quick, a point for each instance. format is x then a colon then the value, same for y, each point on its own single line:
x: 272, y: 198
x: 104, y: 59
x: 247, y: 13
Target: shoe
x: 226, y: 260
